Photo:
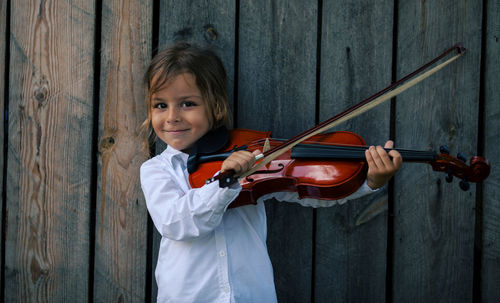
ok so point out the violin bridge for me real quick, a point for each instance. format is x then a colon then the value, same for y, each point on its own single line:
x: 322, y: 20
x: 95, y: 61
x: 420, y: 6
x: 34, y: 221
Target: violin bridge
x: 267, y: 145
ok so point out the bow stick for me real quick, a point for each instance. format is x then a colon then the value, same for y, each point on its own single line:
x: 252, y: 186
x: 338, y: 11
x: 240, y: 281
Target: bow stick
x: 363, y: 106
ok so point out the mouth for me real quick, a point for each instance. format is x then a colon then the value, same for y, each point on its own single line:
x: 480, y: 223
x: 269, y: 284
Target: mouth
x: 176, y: 131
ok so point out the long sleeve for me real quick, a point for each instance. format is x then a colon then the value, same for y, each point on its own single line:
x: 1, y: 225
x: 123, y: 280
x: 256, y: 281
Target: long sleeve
x: 178, y: 212
x: 294, y: 197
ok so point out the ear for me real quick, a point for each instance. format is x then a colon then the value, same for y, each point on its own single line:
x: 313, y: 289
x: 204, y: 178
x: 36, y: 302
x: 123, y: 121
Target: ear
x: 218, y: 115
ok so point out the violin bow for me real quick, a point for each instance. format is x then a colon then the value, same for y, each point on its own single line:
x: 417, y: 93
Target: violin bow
x: 378, y: 98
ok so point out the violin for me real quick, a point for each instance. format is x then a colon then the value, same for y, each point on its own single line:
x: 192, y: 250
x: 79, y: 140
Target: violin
x: 327, y: 166
x: 316, y: 164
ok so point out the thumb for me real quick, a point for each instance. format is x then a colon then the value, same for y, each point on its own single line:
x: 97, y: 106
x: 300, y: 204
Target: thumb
x: 256, y: 152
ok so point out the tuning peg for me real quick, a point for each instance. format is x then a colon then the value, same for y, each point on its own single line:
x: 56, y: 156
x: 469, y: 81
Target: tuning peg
x: 464, y: 185
x: 461, y: 156
x: 449, y: 177
x: 444, y: 149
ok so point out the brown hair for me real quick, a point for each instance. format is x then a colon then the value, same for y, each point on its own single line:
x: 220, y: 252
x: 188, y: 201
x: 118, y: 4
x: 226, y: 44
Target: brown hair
x: 204, y: 65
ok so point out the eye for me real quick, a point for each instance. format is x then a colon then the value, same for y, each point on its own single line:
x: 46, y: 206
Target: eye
x: 160, y: 105
x: 188, y: 104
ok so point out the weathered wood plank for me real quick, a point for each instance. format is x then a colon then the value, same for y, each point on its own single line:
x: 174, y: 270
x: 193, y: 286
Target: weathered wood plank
x: 3, y: 64
x: 121, y: 224
x: 490, y: 246
x: 276, y: 91
x: 356, y: 57
x: 49, y: 151
x: 434, y: 221
x: 208, y: 24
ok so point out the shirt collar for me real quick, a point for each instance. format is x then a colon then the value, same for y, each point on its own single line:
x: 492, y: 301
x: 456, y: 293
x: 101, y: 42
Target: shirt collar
x: 175, y: 156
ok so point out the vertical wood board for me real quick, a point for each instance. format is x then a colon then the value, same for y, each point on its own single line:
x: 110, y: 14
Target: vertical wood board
x: 208, y: 24
x: 49, y: 151
x: 121, y: 214
x: 434, y: 220
x: 3, y: 74
x: 356, y: 57
x: 276, y: 92
x: 490, y: 233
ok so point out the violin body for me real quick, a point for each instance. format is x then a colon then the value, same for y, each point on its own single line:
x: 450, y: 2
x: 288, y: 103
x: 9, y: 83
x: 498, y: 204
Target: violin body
x: 310, y: 178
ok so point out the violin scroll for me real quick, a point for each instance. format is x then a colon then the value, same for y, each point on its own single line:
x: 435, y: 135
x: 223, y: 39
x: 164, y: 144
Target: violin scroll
x: 477, y: 170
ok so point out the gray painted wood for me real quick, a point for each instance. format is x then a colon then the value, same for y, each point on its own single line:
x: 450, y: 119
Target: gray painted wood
x: 210, y: 24
x: 434, y: 220
x: 121, y: 215
x: 3, y: 46
x: 356, y: 58
x: 490, y: 232
x: 276, y: 92
x: 49, y: 151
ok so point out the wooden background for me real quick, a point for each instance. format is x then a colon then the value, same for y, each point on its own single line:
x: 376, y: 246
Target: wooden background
x: 74, y: 223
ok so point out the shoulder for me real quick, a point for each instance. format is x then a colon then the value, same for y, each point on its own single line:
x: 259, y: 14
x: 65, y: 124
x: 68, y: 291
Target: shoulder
x: 157, y: 162
x: 159, y: 166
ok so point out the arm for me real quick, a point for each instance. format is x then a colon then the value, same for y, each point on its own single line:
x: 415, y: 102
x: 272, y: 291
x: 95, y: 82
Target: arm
x: 294, y: 197
x: 182, y: 214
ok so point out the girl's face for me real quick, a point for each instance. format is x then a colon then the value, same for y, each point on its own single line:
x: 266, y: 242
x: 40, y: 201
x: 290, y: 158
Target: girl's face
x: 179, y: 115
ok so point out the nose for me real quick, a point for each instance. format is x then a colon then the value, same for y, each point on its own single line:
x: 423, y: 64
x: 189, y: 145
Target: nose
x: 173, y: 115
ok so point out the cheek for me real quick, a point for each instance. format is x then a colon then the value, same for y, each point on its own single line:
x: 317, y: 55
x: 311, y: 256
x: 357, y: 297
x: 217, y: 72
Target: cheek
x: 156, y: 121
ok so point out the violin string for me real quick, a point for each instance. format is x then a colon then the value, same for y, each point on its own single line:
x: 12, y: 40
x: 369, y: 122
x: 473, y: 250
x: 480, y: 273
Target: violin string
x: 338, y: 147
x: 350, y: 152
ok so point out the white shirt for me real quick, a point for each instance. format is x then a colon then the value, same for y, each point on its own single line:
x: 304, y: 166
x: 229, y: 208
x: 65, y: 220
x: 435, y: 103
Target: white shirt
x: 209, y: 253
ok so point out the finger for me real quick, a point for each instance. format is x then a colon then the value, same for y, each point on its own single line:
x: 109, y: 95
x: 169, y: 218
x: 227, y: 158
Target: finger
x: 258, y: 154
x: 389, y: 144
x: 230, y: 164
x: 397, y: 159
x: 239, y: 161
x: 369, y: 158
x: 386, y: 162
x: 376, y: 155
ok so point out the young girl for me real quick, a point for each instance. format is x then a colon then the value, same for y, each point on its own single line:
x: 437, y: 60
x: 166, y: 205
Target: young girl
x: 209, y: 253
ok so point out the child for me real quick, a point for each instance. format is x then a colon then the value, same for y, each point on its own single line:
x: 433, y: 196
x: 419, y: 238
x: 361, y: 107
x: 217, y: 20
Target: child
x: 208, y: 253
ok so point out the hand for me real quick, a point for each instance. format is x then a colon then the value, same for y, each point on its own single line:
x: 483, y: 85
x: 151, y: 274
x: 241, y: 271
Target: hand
x: 240, y: 161
x: 380, y: 166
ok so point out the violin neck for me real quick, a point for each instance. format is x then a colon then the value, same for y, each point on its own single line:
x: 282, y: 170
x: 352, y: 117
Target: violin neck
x: 314, y: 151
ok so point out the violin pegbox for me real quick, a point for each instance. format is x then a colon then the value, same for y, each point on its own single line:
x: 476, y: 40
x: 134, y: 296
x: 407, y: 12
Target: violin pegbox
x: 477, y: 170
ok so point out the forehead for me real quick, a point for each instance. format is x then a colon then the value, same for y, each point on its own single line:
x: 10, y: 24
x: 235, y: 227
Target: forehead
x: 180, y: 82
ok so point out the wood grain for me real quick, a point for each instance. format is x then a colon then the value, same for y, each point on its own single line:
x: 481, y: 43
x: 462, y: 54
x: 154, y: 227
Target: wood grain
x: 271, y: 63
x: 3, y: 73
x: 489, y: 244
x: 121, y: 214
x: 49, y: 151
x: 356, y: 61
x: 434, y: 220
x: 276, y: 92
x: 209, y: 24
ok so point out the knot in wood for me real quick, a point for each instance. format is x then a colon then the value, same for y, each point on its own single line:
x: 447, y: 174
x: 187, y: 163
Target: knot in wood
x: 106, y: 143
x: 210, y: 32
x: 41, y: 94
x: 452, y: 131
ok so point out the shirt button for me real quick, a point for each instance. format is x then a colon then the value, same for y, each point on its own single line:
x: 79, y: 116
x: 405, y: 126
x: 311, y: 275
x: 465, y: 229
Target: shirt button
x: 222, y: 253
x: 226, y: 289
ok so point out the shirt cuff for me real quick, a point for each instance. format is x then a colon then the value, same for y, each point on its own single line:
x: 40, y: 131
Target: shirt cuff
x: 218, y: 199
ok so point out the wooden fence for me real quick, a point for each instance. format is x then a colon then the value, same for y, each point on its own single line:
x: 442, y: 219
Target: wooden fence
x: 74, y: 223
